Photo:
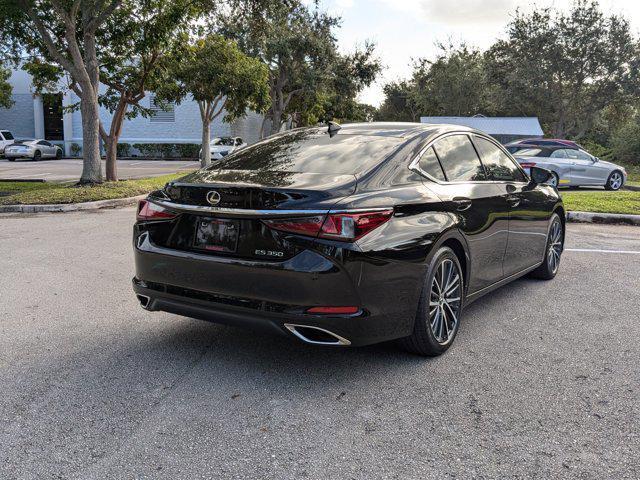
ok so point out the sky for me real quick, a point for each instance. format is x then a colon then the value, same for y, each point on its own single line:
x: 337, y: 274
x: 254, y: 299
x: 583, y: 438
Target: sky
x: 404, y: 30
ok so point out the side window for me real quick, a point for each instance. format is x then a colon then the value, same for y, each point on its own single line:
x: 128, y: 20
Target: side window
x: 459, y: 159
x: 562, y: 153
x: 429, y: 164
x: 2, y: 137
x: 7, y: 135
x: 582, y: 155
x: 238, y: 141
x: 497, y: 164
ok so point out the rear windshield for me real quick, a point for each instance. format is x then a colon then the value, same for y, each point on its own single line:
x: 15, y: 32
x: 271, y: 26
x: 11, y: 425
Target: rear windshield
x: 312, y: 151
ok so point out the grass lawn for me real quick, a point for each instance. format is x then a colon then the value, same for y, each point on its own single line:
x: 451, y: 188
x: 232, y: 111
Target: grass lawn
x: 13, y: 193
x: 19, y: 193
x: 602, y: 201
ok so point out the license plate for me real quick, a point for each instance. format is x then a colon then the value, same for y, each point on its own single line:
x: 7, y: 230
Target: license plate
x: 217, y: 235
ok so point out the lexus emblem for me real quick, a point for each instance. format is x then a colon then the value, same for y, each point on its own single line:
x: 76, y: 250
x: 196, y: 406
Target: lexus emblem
x: 213, y: 197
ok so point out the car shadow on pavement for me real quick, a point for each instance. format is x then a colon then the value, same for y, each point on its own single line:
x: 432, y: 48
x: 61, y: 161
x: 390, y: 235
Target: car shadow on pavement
x: 218, y: 351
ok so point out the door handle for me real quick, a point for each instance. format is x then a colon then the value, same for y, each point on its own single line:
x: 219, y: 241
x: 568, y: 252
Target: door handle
x: 462, y: 204
x: 513, y: 200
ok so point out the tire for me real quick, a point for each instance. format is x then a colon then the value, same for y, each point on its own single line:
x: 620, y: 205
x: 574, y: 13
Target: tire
x: 11, y: 159
x: 37, y: 155
x: 555, y: 244
x: 438, y: 321
x: 58, y: 154
x: 615, y: 181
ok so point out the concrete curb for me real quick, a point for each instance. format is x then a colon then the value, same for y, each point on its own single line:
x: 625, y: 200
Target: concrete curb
x: 71, y: 207
x: 611, y: 218
x: 632, y: 188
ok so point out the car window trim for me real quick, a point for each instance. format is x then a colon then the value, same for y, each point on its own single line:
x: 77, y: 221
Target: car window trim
x: 414, y: 165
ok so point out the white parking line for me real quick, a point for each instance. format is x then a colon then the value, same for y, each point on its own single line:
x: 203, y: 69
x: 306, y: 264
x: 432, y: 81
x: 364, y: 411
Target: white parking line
x: 597, y: 250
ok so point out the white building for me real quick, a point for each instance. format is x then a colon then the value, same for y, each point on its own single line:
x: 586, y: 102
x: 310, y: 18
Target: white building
x: 43, y: 116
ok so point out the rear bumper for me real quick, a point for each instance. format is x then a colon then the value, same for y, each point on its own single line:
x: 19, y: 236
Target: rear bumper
x: 263, y: 296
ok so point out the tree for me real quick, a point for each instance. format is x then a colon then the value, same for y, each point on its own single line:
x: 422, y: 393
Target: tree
x: 5, y: 88
x: 64, y: 33
x: 399, y: 103
x: 454, y: 84
x: 309, y: 80
x: 141, y: 38
x: 564, y: 67
x: 220, y: 78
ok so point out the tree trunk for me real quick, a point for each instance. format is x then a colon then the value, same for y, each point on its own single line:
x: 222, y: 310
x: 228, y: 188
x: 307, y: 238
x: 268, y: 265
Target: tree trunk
x: 112, y: 140
x: 205, y: 161
x: 276, y: 121
x: 91, y: 165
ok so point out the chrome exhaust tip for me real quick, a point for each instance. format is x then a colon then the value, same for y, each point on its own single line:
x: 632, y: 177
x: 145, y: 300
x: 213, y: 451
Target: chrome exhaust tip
x: 316, y: 335
x: 144, y: 301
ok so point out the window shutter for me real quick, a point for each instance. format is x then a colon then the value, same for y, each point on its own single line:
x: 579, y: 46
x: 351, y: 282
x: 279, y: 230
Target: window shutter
x: 159, y: 115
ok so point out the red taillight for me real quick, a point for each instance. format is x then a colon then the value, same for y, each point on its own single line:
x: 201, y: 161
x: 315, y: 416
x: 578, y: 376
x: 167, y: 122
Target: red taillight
x: 333, y: 310
x: 150, y: 211
x: 336, y: 226
x: 527, y: 164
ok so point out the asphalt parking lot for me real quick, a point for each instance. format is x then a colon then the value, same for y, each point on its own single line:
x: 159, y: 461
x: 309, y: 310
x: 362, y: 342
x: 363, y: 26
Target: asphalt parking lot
x: 542, y: 382
x: 71, y: 168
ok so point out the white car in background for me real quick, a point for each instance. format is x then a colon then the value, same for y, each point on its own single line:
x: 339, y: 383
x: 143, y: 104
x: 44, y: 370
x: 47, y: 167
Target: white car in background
x: 6, y: 139
x: 33, y: 149
x: 223, y: 146
x: 569, y: 163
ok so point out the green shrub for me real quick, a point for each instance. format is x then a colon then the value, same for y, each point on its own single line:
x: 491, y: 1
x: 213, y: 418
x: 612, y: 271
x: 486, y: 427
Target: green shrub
x: 76, y: 150
x: 123, y: 150
x: 188, y: 150
x: 167, y: 150
x: 625, y: 143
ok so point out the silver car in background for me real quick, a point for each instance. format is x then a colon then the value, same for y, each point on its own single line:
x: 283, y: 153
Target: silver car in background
x: 34, y: 149
x: 570, y: 164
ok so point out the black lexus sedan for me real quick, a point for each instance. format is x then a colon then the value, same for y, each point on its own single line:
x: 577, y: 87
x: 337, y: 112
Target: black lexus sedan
x: 348, y: 235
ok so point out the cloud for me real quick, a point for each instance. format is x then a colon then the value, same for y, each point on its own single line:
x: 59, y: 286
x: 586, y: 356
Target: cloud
x: 466, y: 12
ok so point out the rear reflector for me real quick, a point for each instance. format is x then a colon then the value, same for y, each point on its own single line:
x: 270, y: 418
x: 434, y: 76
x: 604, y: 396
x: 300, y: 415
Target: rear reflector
x: 336, y: 226
x: 151, y: 211
x: 527, y: 164
x: 333, y: 310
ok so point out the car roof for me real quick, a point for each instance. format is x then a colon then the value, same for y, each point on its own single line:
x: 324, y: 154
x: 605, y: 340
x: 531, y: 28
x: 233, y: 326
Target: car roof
x: 546, y: 143
x: 399, y: 129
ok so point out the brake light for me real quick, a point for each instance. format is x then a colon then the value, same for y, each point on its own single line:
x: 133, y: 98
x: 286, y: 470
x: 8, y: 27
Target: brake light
x: 333, y: 310
x: 337, y: 226
x: 527, y: 164
x: 150, y: 211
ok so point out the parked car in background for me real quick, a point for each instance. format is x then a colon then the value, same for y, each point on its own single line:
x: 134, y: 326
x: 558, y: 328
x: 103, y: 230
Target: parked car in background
x: 6, y: 139
x: 223, y: 146
x: 349, y: 235
x: 33, y: 149
x: 571, y: 165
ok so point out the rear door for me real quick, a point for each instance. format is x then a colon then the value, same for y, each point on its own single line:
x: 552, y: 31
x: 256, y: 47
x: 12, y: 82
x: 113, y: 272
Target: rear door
x: 527, y: 207
x: 458, y: 176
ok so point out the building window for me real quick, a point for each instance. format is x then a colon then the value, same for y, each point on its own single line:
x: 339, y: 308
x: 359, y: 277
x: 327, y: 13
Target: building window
x: 159, y: 114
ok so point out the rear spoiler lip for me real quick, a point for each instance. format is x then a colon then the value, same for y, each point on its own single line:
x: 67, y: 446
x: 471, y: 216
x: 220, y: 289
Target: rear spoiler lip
x: 242, y: 212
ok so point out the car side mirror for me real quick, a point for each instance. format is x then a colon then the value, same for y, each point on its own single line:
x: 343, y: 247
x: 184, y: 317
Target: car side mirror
x: 540, y: 175
x: 595, y: 159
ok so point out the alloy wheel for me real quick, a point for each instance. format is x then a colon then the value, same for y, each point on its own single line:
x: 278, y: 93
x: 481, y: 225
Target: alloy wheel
x: 615, y: 182
x: 555, y: 246
x: 445, y: 301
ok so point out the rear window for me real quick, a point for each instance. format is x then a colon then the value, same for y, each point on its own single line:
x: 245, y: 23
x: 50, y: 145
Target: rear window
x: 7, y: 135
x: 312, y: 151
